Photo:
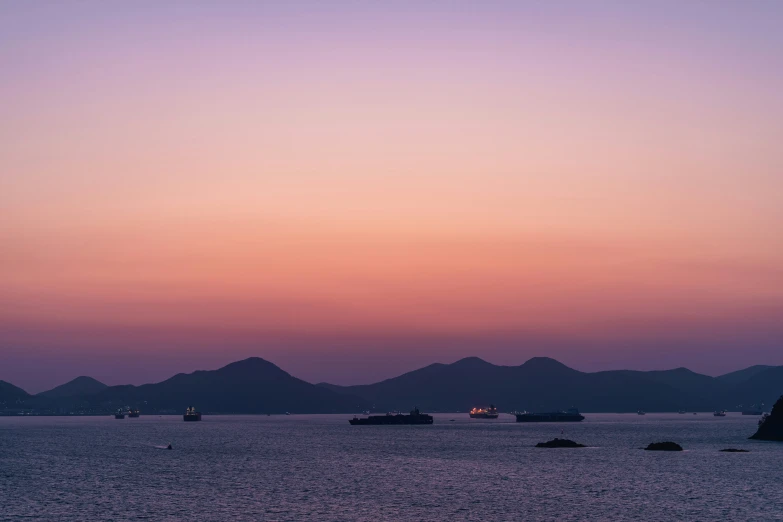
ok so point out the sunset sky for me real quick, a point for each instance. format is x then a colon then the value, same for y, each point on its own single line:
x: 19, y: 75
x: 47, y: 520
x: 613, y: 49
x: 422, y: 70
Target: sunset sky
x: 358, y: 189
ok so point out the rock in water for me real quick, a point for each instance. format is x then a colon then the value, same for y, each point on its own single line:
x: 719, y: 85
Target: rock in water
x: 560, y: 443
x: 663, y: 446
x: 771, y: 426
x: 734, y: 450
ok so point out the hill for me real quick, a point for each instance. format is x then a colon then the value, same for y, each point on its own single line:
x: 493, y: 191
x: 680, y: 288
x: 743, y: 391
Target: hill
x: 741, y: 376
x: 764, y: 386
x: 249, y: 386
x: 12, y: 397
x: 539, y: 384
x: 10, y: 394
x: 542, y: 384
x: 694, y: 390
x: 78, y: 386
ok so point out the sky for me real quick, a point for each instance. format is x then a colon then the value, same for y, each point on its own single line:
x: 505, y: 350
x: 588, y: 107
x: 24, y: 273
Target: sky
x: 352, y: 190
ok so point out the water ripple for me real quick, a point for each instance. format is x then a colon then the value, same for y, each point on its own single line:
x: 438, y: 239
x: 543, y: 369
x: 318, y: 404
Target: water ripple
x: 320, y: 468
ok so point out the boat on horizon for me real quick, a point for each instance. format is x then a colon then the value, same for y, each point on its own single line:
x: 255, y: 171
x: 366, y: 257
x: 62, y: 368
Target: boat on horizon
x: 571, y: 415
x: 721, y: 413
x: 133, y: 413
x: 119, y: 414
x: 681, y: 412
x: 484, y: 413
x: 640, y: 412
x: 393, y: 418
x: 191, y: 415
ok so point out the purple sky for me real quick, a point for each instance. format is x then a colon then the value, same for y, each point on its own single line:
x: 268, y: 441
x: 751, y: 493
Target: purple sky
x: 354, y: 190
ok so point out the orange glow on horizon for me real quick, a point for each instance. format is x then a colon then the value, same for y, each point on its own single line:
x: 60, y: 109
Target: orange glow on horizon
x: 383, y: 171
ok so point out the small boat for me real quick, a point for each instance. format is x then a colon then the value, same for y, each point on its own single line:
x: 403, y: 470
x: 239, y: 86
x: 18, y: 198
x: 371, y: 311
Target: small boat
x: 119, y: 414
x: 169, y: 446
x: 191, y: 415
x: 681, y: 412
x: 133, y: 413
x: 640, y: 412
x: 721, y: 413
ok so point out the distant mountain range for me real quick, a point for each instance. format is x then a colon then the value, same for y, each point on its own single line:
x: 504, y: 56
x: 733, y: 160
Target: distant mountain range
x: 542, y: 384
x: 249, y: 386
x: 257, y: 386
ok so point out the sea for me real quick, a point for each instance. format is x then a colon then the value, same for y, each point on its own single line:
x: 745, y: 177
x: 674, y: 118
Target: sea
x: 318, y: 467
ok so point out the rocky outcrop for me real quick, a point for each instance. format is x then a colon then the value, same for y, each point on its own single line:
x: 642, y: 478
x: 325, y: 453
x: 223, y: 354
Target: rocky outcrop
x: 560, y: 443
x: 771, y: 425
x: 663, y: 446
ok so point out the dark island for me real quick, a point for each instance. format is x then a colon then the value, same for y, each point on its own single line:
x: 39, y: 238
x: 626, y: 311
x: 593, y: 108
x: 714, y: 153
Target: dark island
x: 560, y: 443
x: 771, y: 426
x: 663, y: 446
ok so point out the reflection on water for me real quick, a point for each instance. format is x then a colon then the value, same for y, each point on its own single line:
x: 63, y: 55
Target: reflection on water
x: 318, y: 467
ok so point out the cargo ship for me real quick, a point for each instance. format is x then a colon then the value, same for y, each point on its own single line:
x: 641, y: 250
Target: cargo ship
x: 484, y: 413
x: 571, y: 415
x: 415, y: 417
x: 192, y: 415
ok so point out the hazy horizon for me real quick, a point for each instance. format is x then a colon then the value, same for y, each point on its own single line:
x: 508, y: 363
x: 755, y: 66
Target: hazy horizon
x: 355, y: 190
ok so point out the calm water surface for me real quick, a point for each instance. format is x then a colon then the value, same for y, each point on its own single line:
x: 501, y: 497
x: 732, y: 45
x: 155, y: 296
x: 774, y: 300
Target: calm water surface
x: 318, y: 467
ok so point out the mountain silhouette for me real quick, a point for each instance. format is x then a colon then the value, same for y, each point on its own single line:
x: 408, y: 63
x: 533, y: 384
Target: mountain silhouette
x: 78, y: 386
x: 10, y: 394
x: 540, y: 384
x: 741, y: 376
x: 249, y: 386
x: 543, y: 383
x: 763, y: 386
x: 699, y: 389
